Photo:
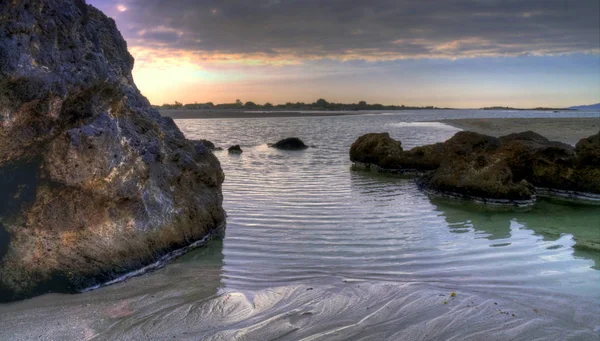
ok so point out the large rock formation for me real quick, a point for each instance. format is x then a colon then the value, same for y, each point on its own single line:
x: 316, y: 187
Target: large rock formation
x: 94, y: 182
x: 511, y: 169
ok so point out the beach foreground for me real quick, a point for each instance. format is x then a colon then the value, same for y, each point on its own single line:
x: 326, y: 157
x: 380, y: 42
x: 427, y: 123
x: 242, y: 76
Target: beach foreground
x: 161, y: 309
x: 568, y: 130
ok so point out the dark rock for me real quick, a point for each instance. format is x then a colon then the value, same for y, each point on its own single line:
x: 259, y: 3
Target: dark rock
x: 541, y: 162
x: 94, y: 181
x: 376, y: 148
x: 587, y: 164
x: 236, y: 149
x: 509, y: 169
x: 423, y: 158
x: 206, y: 143
x: 469, y: 169
x: 381, y: 150
x: 467, y: 143
x: 4, y: 241
x: 588, y: 151
x: 291, y: 143
x: 479, y: 178
x: 524, y: 136
x: 555, y: 166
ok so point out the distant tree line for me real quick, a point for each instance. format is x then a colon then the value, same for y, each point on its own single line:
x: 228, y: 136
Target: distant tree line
x: 320, y: 104
x: 529, y: 109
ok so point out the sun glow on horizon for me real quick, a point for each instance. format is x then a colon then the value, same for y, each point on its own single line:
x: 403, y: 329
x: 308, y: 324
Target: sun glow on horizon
x: 169, y: 75
x: 441, y: 53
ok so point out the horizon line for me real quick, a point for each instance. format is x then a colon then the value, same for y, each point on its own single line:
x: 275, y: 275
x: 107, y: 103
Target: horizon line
x: 252, y: 104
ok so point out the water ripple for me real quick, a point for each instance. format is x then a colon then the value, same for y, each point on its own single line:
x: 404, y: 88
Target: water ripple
x: 315, y: 251
x: 296, y: 217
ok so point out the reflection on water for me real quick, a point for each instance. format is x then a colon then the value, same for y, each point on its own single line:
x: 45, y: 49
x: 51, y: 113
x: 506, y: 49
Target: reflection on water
x: 487, y: 222
x: 554, y: 221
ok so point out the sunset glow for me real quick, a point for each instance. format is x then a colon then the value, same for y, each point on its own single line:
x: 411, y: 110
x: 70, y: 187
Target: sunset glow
x: 527, y: 54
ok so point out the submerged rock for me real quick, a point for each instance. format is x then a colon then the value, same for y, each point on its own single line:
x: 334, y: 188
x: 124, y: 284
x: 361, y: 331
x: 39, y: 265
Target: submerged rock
x: 236, y: 149
x: 290, y: 143
x: 95, y: 182
x: 512, y: 169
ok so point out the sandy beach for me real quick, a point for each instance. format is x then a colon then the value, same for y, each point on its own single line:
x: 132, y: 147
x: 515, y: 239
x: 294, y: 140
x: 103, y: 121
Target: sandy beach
x: 568, y: 130
x: 163, y: 308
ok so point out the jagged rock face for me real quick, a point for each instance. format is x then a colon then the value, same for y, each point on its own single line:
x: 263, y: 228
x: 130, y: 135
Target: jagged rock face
x: 94, y: 181
x: 480, y: 167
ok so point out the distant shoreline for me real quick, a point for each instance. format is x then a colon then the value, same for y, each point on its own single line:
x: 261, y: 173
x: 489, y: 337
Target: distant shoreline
x: 241, y: 113
x: 224, y: 113
x: 567, y: 130
x: 531, y: 109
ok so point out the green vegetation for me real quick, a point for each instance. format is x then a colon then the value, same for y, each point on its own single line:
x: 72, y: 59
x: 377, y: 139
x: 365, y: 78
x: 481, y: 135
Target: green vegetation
x: 320, y: 104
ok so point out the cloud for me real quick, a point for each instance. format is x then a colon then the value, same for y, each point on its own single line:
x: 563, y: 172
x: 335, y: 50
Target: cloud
x: 292, y: 30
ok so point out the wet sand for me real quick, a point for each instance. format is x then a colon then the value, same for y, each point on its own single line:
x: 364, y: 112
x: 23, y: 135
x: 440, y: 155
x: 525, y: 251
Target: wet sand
x: 568, y: 130
x: 188, y: 301
x: 143, y: 310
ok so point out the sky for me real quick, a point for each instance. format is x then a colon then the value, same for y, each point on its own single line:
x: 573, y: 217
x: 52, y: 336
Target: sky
x: 445, y: 53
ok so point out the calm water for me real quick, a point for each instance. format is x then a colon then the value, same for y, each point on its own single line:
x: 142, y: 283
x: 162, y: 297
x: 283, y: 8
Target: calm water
x: 305, y: 216
x: 303, y: 221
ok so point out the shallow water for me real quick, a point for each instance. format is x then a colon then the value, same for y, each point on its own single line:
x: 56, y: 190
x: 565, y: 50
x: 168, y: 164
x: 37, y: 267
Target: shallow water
x: 316, y: 250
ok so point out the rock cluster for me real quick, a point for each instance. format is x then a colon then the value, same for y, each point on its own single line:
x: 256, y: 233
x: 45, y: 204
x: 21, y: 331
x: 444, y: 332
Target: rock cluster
x: 94, y: 182
x: 512, y: 169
